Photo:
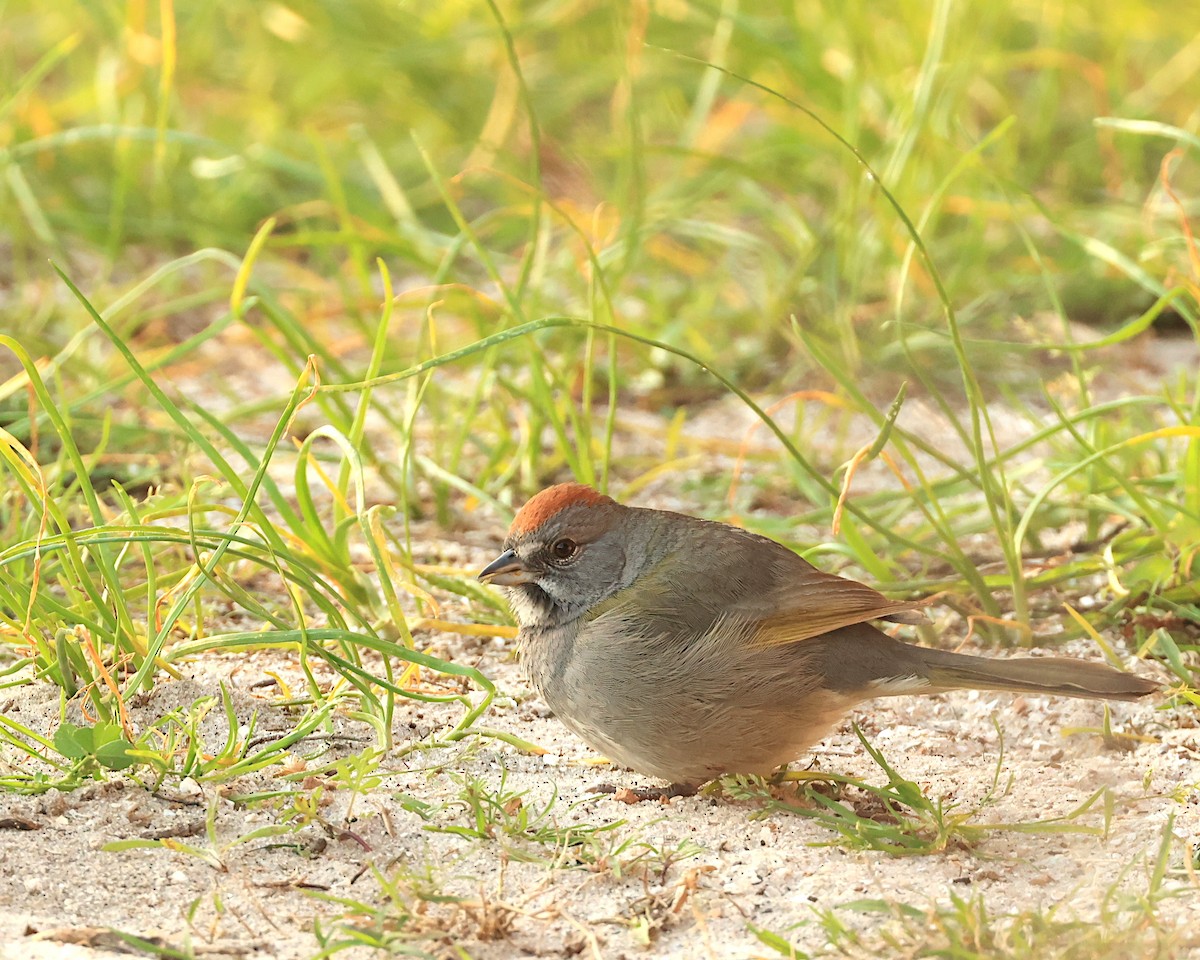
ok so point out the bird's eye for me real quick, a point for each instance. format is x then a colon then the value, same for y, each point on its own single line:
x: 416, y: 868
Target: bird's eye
x: 564, y: 549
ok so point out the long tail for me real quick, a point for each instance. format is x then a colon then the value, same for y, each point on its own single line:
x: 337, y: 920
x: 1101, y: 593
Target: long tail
x: 1061, y: 676
x: 867, y: 662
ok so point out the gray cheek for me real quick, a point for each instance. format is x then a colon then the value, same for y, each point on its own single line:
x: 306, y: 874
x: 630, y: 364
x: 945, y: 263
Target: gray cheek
x: 560, y: 589
x: 624, y: 569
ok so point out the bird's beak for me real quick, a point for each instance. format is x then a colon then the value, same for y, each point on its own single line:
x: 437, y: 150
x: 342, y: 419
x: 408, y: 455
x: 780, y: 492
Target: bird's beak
x: 506, y: 571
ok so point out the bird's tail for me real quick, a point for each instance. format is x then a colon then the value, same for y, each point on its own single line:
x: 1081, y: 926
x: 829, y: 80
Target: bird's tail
x: 1060, y: 676
x: 862, y: 660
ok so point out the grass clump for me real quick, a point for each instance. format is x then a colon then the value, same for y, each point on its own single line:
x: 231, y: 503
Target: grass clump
x: 959, y: 926
x: 899, y: 817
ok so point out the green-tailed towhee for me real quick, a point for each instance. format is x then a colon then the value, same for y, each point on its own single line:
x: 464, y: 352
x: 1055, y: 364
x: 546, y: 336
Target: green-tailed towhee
x: 685, y: 648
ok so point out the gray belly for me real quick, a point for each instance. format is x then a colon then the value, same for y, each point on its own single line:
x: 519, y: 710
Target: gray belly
x: 679, y: 710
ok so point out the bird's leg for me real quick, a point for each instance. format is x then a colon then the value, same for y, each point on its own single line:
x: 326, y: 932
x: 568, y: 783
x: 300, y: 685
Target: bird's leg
x: 642, y: 794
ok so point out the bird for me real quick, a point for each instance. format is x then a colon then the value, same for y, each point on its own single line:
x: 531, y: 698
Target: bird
x: 686, y: 649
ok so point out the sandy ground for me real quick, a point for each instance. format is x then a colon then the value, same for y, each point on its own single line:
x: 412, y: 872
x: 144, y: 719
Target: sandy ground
x: 735, y: 869
x: 689, y: 878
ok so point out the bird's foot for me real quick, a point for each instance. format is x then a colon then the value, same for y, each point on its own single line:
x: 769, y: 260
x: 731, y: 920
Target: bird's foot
x: 642, y: 794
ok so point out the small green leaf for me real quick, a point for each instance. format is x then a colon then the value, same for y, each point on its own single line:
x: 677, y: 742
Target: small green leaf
x: 114, y: 755
x: 67, y: 741
x: 103, y: 741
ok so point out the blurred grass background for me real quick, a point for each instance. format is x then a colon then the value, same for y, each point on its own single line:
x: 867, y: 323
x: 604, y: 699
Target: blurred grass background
x: 678, y: 180
x: 139, y: 130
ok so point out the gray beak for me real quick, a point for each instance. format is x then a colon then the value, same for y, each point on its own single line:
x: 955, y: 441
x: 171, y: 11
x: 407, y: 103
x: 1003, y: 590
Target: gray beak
x: 506, y: 571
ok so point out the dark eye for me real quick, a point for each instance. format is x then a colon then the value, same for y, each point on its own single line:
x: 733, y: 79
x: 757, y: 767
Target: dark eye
x: 564, y: 549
